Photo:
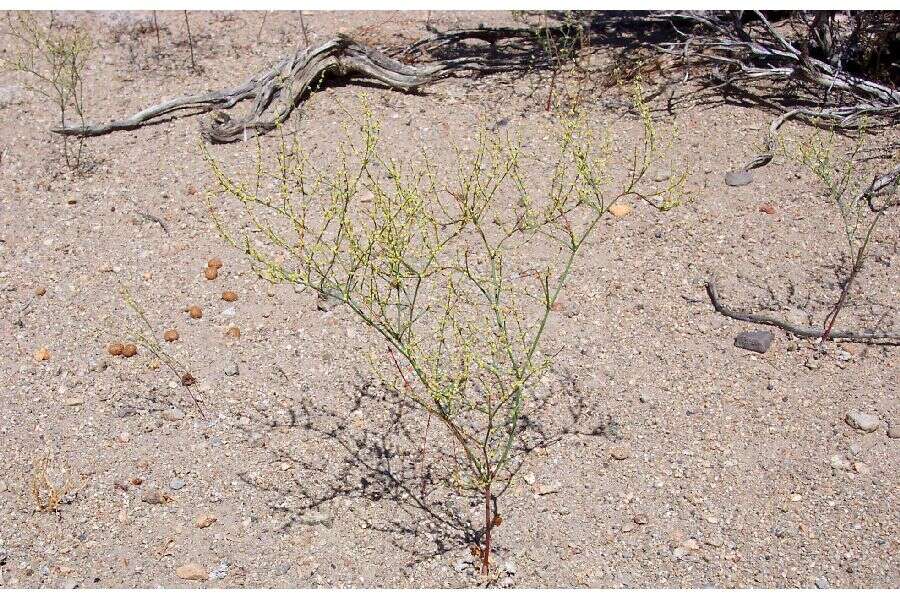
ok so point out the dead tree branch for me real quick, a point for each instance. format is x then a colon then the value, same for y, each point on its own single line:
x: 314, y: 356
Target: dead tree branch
x: 738, y: 61
x: 278, y: 90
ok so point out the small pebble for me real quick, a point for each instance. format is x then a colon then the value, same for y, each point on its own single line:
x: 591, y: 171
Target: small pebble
x: 317, y: 518
x: 755, y: 341
x: 620, y: 452
x: 204, y: 521
x: 231, y: 369
x: 191, y: 572
x: 173, y: 414
x: 738, y: 178
x: 862, y: 421
x: 155, y: 497
x: 176, y: 484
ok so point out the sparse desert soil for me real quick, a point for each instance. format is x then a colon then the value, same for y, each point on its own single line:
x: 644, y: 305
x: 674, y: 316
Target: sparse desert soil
x: 731, y: 469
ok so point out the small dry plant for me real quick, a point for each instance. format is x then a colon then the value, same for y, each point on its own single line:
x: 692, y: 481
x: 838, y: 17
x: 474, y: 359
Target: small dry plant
x: 47, y: 494
x: 54, y: 58
x: 861, y: 198
x: 457, y: 271
x: 145, y: 337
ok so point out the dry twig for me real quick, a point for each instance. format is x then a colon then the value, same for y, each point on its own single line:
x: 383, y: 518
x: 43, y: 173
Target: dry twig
x: 868, y: 337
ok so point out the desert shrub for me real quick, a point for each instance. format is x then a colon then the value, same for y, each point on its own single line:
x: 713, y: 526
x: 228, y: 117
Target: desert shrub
x: 854, y: 189
x: 54, y: 59
x: 431, y: 261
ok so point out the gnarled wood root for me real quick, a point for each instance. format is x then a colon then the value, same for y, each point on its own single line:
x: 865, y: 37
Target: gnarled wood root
x: 278, y: 90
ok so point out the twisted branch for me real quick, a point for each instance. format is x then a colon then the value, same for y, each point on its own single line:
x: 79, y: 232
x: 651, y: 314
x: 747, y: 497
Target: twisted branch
x: 278, y: 90
x: 870, y: 337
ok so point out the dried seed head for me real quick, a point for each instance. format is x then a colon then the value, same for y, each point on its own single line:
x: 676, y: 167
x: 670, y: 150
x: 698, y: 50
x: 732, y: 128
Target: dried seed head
x: 229, y: 296
x: 214, y: 263
x: 195, y: 311
x: 40, y: 291
x: 233, y: 332
x: 170, y: 335
x: 188, y: 380
x: 498, y: 520
x: 129, y: 350
x: 42, y: 354
x: 210, y: 273
x: 115, y: 349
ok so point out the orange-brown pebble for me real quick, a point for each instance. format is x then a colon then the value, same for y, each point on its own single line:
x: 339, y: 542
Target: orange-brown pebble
x: 195, y: 311
x: 214, y: 263
x: 211, y: 273
x: 115, y: 349
x: 233, y: 332
x: 171, y: 335
x: 129, y: 350
x: 229, y: 296
x: 42, y: 354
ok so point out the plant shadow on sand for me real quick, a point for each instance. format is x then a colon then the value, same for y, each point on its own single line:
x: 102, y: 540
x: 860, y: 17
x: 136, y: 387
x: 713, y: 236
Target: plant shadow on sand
x: 373, y: 450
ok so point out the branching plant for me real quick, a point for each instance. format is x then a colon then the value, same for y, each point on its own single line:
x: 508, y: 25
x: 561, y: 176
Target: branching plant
x: 54, y: 59
x: 433, y: 263
x: 851, y: 189
x: 146, y: 338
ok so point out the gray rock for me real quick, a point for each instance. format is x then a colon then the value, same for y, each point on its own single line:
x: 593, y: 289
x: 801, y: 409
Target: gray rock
x: 738, y: 178
x: 822, y: 583
x: 755, y: 341
x: 3, y: 486
x: 176, y: 484
x: 126, y: 411
x: 317, y: 518
x: 231, y: 369
x: 893, y: 433
x: 173, y: 414
x: 509, y: 567
x: 862, y: 421
x: 219, y: 572
x: 839, y: 463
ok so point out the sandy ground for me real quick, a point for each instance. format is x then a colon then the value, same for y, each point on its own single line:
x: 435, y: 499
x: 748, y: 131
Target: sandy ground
x: 674, y: 459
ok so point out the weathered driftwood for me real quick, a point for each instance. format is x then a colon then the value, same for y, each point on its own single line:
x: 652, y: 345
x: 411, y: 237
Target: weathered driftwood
x: 278, y: 90
x: 869, y: 337
x: 737, y: 60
